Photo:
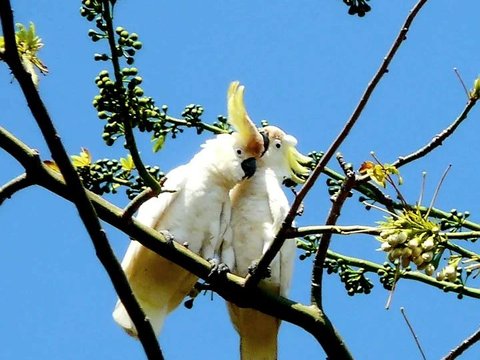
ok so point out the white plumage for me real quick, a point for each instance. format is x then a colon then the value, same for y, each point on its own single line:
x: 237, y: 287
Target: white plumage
x: 259, y: 207
x: 195, y: 210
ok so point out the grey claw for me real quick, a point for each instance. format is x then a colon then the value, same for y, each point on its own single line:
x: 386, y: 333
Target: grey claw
x: 168, y: 236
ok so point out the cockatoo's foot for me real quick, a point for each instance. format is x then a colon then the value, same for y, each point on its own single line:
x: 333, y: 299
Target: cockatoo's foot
x: 253, y: 268
x: 194, y: 292
x: 168, y: 236
x: 219, y: 270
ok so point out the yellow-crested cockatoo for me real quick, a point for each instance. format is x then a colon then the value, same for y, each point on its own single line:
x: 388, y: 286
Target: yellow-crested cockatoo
x: 195, y: 210
x: 259, y: 207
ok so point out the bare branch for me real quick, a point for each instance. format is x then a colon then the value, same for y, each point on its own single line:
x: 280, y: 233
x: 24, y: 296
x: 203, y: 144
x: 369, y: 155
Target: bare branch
x: 464, y: 345
x: 333, y: 229
x: 415, y: 337
x: 274, y: 248
x: 19, y: 183
x: 439, y: 138
x: 85, y: 208
x: 333, y: 215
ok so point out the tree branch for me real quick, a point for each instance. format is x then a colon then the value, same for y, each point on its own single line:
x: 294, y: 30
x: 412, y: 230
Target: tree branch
x: 439, y: 138
x: 412, y: 275
x: 19, y: 183
x: 131, y: 144
x: 333, y: 215
x: 463, y: 346
x: 253, y: 279
x: 231, y: 289
x: 85, y: 209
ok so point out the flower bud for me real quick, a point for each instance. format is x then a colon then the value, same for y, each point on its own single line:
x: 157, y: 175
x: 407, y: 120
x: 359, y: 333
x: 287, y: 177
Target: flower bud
x: 428, y: 244
x: 427, y: 256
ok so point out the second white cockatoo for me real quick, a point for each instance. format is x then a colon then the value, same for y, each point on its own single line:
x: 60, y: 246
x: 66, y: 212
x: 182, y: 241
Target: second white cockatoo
x: 259, y: 207
x: 195, y: 210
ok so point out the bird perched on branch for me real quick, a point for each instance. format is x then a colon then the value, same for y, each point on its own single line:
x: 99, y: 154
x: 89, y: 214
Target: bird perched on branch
x: 196, y: 210
x: 259, y: 207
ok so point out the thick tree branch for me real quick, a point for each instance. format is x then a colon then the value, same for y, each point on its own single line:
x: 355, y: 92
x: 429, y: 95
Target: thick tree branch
x: 465, y: 345
x: 85, y: 209
x: 231, y: 289
x: 253, y: 279
x: 439, y: 138
x: 19, y: 183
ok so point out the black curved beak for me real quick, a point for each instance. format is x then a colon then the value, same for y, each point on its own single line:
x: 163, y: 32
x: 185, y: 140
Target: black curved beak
x: 249, y: 166
x: 266, y: 141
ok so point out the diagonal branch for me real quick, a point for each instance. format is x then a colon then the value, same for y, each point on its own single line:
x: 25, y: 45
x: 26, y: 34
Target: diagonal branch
x: 19, y: 183
x: 267, y: 258
x: 439, y: 138
x: 465, y: 345
x: 85, y: 208
x: 333, y: 215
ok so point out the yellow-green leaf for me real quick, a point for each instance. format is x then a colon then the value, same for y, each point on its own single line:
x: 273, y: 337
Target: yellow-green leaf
x: 127, y: 163
x: 83, y: 159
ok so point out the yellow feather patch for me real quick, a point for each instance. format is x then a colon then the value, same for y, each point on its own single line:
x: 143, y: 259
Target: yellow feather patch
x: 239, y: 119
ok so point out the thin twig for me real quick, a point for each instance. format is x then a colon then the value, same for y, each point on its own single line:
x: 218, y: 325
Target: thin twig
x: 437, y: 190
x: 455, y: 70
x: 19, y: 183
x: 415, y: 337
x: 274, y: 248
x: 81, y: 200
x: 133, y: 205
x: 333, y: 229
x: 437, y: 139
x: 464, y: 345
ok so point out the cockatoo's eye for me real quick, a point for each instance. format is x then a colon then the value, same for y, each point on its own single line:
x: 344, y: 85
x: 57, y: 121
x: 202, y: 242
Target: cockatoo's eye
x: 278, y: 145
x: 239, y: 152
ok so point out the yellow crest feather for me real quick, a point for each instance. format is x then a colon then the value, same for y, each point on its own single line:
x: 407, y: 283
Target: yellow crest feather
x: 241, y: 122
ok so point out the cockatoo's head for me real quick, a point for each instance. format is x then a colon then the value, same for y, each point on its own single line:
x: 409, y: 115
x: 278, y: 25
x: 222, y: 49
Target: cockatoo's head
x: 283, y: 156
x: 234, y: 155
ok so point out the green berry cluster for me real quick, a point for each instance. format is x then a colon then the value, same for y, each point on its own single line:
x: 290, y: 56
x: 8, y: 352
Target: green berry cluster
x: 91, y: 9
x: 454, y: 220
x: 106, y: 176
x: 355, y: 281
x: 357, y: 7
x: 222, y: 123
x: 309, y: 244
x: 387, y: 276
x: 128, y: 44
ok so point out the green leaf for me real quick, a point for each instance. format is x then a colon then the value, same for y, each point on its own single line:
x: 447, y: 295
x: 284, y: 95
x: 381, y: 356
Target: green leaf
x: 127, y: 163
x: 158, y: 145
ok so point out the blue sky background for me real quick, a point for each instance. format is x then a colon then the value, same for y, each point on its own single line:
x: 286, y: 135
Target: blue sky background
x: 305, y: 65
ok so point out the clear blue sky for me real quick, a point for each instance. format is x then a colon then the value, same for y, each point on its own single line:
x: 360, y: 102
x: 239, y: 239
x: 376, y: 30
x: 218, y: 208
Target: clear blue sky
x: 305, y: 65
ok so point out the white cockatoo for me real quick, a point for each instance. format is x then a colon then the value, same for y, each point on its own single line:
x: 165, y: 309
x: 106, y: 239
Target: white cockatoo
x: 195, y: 210
x: 259, y: 207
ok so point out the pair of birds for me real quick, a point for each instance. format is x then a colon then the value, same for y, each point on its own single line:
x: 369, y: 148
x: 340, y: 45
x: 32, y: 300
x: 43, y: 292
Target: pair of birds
x: 227, y: 204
